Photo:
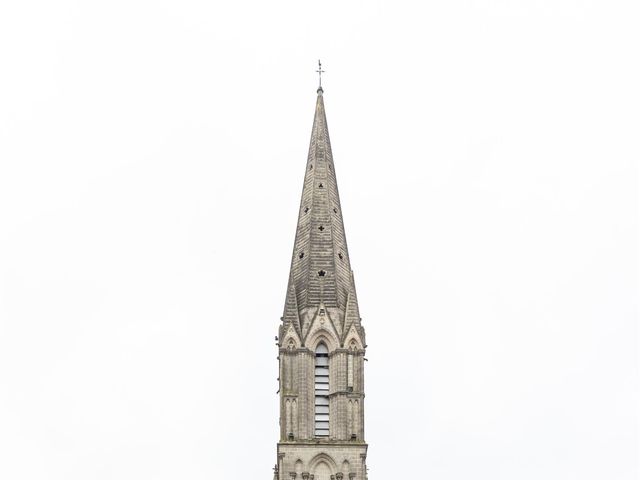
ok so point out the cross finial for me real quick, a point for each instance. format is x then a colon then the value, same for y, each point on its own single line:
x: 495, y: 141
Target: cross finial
x: 320, y: 72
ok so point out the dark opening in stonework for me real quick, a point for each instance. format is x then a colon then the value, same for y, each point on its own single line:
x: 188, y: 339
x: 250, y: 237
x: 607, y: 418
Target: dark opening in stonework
x: 301, y: 254
x: 335, y: 210
x: 321, y: 186
x: 340, y: 256
x: 322, y: 273
x: 306, y: 209
x: 311, y: 166
x: 321, y: 228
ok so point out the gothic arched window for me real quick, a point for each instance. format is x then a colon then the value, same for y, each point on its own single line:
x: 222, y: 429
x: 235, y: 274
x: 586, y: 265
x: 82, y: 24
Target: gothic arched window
x: 322, y: 391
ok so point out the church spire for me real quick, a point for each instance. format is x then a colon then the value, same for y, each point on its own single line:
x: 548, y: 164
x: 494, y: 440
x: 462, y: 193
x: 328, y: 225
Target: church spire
x: 320, y: 267
x: 321, y: 342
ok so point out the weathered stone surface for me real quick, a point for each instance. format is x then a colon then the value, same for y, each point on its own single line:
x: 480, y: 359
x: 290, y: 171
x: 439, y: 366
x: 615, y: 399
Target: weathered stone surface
x: 321, y: 307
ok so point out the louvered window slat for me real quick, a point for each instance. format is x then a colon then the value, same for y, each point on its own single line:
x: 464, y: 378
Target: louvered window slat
x: 322, y: 391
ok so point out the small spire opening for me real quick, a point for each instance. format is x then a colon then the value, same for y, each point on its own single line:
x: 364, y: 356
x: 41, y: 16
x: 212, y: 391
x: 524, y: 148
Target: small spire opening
x: 321, y: 228
x: 322, y: 273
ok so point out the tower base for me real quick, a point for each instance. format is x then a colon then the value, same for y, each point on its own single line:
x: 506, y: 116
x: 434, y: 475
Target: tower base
x: 321, y: 460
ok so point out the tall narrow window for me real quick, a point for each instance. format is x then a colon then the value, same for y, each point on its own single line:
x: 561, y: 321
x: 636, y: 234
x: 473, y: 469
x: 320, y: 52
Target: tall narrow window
x: 322, y: 391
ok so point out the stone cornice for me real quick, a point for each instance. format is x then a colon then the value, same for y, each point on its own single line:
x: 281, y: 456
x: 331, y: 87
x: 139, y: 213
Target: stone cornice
x: 310, y: 352
x: 348, y: 394
x: 333, y: 443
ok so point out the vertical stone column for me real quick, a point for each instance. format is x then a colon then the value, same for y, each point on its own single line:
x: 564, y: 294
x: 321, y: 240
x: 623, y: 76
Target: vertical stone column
x: 295, y: 420
x: 305, y: 393
x: 279, y: 466
x: 287, y: 417
x: 357, y: 418
x: 359, y: 361
x: 281, y: 384
x: 338, y: 389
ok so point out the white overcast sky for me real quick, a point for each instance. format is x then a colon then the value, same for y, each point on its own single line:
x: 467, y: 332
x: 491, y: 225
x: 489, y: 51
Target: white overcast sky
x: 151, y: 162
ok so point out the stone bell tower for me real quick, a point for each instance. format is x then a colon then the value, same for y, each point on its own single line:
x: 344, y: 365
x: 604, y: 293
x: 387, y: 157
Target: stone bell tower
x: 321, y: 341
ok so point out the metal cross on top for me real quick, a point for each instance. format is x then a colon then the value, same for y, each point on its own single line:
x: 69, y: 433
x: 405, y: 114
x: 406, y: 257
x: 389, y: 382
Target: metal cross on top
x: 320, y: 72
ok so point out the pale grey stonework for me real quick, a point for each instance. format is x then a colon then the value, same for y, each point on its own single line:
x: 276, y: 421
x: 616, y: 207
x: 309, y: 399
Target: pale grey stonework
x: 321, y: 307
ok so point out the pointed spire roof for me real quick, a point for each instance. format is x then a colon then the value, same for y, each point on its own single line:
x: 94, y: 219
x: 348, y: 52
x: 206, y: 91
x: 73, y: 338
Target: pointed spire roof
x: 320, y: 267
